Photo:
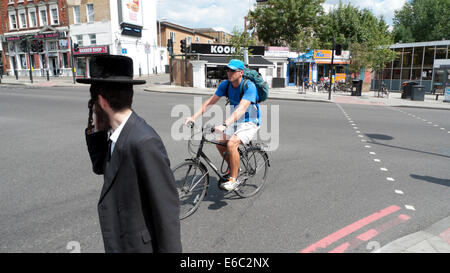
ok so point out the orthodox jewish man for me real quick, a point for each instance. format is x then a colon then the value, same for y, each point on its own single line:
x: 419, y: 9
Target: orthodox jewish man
x: 138, y: 206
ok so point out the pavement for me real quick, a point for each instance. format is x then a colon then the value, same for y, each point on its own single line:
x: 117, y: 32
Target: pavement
x: 159, y: 83
x: 432, y: 239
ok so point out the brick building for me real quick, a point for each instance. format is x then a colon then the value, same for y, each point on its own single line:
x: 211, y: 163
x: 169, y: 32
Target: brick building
x: 220, y: 37
x: 35, y: 36
x: 178, y: 33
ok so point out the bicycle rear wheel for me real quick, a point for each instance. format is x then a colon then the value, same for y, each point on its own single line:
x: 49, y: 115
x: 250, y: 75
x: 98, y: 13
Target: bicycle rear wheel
x: 255, y: 167
x: 191, y: 180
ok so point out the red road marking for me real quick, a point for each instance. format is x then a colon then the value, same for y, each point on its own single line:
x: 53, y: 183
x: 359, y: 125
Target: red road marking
x: 446, y: 236
x: 366, y: 236
x: 328, y: 240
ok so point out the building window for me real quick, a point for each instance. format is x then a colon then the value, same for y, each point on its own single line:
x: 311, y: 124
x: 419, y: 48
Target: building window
x: 10, y: 1
x: 93, y: 39
x: 23, y: 61
x: 13, y: 21
x: 52, y: 45
x: 12, y: 47
x: 23, y: 19
x: 418, y: 57
x: 429, y: 57
x: 54, y: 14
x: 90, y: 12
x: 79, y: 40
x: 43, y: 17
x: 33, y: 18
x: 197, y: 39
x: 173, y: 36
x: 441, y: 52
x: 76, y: 15
x: 65, y: 60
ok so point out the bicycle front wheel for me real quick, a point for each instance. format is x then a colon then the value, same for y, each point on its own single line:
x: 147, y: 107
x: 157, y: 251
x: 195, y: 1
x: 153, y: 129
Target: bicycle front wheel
x: 255, y: 167
x: 191, y: 180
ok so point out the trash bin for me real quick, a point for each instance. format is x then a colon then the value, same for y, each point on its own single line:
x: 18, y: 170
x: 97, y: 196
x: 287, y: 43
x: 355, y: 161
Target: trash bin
x: 418, y: 92
x: 407, y: 88
x: 278, y: 82
x: 357, y: 87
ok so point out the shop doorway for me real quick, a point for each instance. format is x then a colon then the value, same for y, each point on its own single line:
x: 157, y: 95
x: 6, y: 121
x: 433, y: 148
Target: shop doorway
x: 81, y: 67
x: 53, y: 61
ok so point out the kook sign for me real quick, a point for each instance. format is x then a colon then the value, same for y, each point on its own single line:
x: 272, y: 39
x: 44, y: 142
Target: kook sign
x: 222, y: 49
x: 209, y: 49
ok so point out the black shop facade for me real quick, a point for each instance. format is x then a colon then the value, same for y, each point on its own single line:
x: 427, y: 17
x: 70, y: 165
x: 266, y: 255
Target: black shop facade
x: 209, y: 62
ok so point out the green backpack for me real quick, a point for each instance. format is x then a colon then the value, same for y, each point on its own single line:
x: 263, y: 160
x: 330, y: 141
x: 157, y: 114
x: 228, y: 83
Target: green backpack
x: 261, y: 86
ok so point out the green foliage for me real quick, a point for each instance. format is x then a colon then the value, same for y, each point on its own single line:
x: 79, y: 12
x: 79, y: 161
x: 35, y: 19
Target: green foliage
x: 302, y: 25
x: 422, y: 20
x: 241, y: 40
x: 287, y: 22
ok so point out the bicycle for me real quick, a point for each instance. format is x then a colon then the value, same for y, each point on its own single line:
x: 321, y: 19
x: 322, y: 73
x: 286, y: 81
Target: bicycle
x: 383, y: 90
x: 192, y: 175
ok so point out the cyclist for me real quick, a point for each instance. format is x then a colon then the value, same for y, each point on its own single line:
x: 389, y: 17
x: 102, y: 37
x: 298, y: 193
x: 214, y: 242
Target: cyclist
x: 243, y: 123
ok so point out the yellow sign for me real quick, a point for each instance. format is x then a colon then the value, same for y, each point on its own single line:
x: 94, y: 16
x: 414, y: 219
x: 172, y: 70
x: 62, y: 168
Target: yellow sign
x: 322, y: 54
x: 340, y: 77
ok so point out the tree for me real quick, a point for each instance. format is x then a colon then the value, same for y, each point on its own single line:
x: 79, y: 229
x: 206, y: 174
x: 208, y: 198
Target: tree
x: 240, y: 40
x: 359, y: 31
x: 422, y: 20
x: 287, y: 22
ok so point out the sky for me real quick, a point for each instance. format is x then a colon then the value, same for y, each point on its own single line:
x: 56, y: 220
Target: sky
x: 224, y: 15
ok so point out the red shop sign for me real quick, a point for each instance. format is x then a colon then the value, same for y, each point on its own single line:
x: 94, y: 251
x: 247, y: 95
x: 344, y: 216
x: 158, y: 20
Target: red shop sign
x: 92, y: 50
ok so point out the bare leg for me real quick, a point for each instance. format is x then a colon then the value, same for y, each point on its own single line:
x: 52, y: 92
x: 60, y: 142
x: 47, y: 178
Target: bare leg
x: 223, y: 149
x: 232, y: 146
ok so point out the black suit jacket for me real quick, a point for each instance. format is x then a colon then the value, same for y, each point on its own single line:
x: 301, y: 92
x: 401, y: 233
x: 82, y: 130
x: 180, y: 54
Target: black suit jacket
x: 139, y: 205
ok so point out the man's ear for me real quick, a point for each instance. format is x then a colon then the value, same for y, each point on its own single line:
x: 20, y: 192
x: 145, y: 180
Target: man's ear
x: 102, y: 102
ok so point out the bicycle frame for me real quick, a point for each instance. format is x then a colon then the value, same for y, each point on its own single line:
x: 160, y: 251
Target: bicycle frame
x: 200, y: 154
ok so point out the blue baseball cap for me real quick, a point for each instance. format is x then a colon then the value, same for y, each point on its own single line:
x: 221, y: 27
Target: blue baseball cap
x: 236, y: 64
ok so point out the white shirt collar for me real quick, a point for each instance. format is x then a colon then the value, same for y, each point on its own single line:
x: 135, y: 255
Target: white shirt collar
x: 116, y: 133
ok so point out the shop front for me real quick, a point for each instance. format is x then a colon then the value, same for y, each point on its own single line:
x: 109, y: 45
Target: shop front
x: 211, y: 60
x: 41, y: 52
x: 82, y: 57
x: 315, y: 66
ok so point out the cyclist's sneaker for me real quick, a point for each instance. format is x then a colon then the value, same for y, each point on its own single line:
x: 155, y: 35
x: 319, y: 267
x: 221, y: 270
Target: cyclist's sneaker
x: 231, y: 185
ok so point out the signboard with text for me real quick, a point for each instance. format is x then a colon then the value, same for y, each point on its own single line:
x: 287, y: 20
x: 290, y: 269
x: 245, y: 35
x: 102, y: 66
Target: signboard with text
x: 131, y: 12
x: 214, y: 49
x: 36, y: 36
x: 322, y: 54
x: 94, y: 50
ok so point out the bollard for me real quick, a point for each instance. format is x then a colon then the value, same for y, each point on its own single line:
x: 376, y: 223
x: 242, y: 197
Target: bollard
x: 48, y: 76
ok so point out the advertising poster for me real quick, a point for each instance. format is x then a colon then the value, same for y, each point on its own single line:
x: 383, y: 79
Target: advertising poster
x: 131, y: 12
x: 447, y: 94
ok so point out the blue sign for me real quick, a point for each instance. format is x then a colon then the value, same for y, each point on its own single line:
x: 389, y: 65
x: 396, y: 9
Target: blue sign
x: 124, y: 51
x: 447, y: 94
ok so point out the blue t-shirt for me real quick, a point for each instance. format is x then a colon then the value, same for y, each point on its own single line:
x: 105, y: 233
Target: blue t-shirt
x: 253, y: 113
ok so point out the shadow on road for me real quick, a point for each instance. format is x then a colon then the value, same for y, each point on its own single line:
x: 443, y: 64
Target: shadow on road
x: 375, y: 137
x: 435, y: 180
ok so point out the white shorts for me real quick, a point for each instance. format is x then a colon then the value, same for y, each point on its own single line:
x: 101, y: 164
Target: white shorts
x: 244, y: 131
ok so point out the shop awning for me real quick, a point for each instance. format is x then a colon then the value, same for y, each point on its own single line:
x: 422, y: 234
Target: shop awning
x: 254, y: 61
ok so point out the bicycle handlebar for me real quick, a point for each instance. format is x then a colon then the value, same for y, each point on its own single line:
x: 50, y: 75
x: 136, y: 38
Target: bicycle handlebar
x: 207, y: 129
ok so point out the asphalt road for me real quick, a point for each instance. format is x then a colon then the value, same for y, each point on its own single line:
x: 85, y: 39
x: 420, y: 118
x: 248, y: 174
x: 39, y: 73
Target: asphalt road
x: 344, y: 177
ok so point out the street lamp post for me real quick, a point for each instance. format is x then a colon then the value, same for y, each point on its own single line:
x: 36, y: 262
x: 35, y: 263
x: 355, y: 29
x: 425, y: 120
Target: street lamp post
x: 160, y: 44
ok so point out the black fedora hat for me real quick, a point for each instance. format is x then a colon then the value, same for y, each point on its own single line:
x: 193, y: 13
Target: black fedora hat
x: 111, y: 69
